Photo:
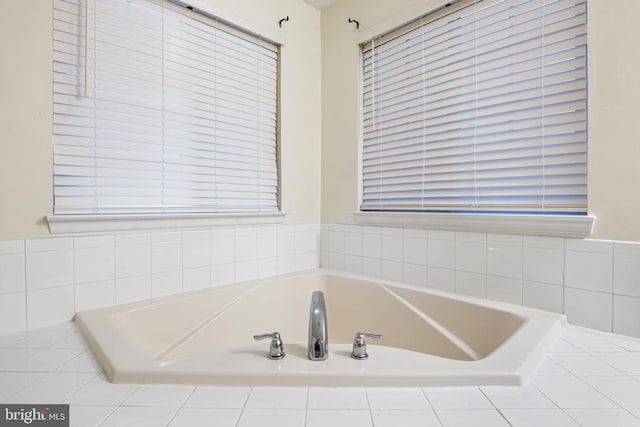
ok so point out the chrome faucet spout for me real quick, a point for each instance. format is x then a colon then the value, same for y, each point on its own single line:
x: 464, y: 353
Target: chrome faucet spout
x: 318, y: 335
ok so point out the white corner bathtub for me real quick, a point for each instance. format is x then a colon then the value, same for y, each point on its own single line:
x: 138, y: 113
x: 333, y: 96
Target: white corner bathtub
x: 429, y: 338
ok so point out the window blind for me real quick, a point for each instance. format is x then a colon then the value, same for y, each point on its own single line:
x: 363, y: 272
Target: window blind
x: 159, y: 109
x: 481, y: 106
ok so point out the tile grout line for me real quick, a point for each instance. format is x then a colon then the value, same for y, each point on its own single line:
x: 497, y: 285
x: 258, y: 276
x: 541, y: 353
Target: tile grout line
x: 26, y: 308
x: 306, y: 407
x: 494, y: 406
x: 244, y: 406
x: 553, y: 401
x: 113, y: 410
x: 366, y: 396
x: 613, y: 278
x: 435, y: 413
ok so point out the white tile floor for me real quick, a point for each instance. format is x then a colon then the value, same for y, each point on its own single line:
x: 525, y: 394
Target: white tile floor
x: 588, y: 379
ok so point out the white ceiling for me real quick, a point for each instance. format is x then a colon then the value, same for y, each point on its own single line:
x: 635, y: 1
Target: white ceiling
x: 319, y: 4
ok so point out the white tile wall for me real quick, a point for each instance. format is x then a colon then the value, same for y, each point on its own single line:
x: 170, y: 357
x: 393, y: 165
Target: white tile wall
x: 471, y: 253
x: 45, y: 281
x: 13, y: 309
x: 471, y: 284
x: 133, y: 255
x: 504, y: 256
x: 589, y: 308
x: 196, y: 249
x: 504, y: 289
x: 49, y: 268
x: 589, y: 270
x: 49, y: 306
x: 543, y: 296
x: 626, y: 269
x: 392, y: 270
x: 95, y: 295
x: 12, y: 271
x: 596, y: 283
x: 625, y: 315
x: 135, y: 288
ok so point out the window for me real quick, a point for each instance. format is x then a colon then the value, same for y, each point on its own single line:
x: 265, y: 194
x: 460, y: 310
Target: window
x: 160, y: 109
x: 478, y: 107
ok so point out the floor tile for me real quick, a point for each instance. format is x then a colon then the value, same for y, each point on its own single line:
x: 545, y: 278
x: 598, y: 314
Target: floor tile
x: 397, y: 398
x: 101, y: 392
x: 48, y: 360
x: 87, y: 416
x: 562, y: 346
x: 589, y: 341
x: 549, y: 367
x: 538, y: 418
x: 570, y: 392
x: 338, y: 398
x: 11, y: 358
x: 626, y: 362
x: 69, y: 326
x: 404, y: 418
x: 277, y: 397
x: 338, y: 418
x: 84, y: 362
x: 471, y: 418
x: 204, y: 417
x: 74, y: 340
x: 218, y: 397
x: 603, y: 417
x: 525, y: 397
x: 457, y: 398
x: 628, y: 343
x: 139, y: 417
x: 583, y: 364
x: 625, y: 391
x: 272, y: 418
x: 13, y: 382
x: 159, y: 395
x: 42, y: 339
x: 7, y: 340
x: 52, y: 388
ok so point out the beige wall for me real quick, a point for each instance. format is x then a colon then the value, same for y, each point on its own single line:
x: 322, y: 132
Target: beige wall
x: 614, y: 118
x: 614, y: 115
x: 26, y: 110
x: 25, y: 118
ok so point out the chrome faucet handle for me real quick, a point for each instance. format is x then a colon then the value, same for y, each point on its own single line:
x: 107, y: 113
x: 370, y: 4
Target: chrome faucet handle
x: 360, y: 346
x: 276, y: 348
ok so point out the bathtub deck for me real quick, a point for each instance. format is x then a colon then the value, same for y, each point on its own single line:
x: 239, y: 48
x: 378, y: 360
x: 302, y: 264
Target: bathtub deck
x: 430, y: 338
x: 588, y: 378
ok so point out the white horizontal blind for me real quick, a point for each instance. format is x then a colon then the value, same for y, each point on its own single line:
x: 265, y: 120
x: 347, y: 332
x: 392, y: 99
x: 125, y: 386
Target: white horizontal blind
x: 483, y: 108
x: 172, y: 111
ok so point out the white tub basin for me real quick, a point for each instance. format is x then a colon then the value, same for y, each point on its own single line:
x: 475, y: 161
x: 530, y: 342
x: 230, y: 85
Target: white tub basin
x: 429, y: 338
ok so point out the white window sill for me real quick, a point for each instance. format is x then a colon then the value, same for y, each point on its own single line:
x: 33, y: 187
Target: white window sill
x: 60, y: 224
x: 541, y: 225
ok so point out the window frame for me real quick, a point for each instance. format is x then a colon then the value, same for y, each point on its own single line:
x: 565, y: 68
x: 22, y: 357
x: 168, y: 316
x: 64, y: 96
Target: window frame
x: 107, y: 222
x: 565, y: 225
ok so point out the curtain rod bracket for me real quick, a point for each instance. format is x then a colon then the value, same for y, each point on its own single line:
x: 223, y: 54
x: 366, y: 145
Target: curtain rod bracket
x: 355, y: 22
x: 283, y: 20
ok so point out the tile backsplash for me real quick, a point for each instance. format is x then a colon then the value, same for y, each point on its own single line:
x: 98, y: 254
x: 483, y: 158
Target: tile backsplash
x: 596, y: 283
x: 45, y: 281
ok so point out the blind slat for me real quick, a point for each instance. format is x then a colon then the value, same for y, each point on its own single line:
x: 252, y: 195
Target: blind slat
x: 482, y: 107
x: 179, y: 112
